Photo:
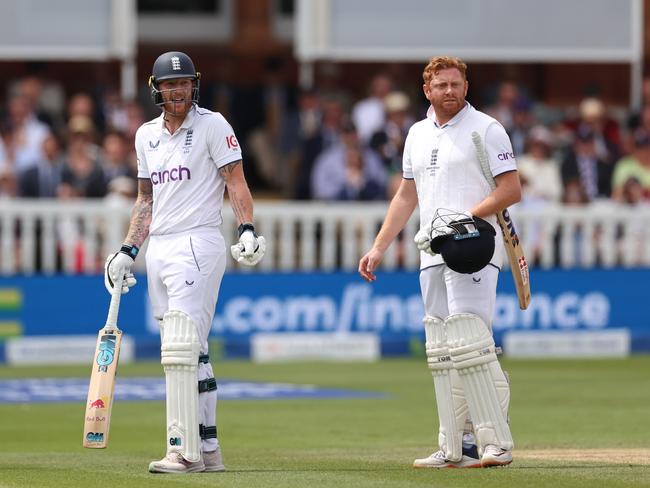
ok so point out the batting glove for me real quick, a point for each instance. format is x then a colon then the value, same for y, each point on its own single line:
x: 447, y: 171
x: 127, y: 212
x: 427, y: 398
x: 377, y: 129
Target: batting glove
x: 423, y: 240
x: 119, y: 264
x: 251, y: 248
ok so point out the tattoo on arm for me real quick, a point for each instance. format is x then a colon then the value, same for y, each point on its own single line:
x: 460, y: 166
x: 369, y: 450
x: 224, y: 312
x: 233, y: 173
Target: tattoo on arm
x: 238, y: 192
x: 227, y: 170
x: 141, y: 214
x: 241, y: 202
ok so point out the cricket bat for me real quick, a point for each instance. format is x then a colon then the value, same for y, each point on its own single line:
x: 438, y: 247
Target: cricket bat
x: 102, y: 378
x: 518, y: 263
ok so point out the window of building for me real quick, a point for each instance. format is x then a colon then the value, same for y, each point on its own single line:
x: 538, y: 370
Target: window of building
x: 188, y: 21
x: 282, y: 14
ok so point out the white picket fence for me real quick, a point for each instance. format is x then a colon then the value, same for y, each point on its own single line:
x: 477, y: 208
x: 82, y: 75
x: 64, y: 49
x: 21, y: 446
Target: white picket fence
x: 72, y: 237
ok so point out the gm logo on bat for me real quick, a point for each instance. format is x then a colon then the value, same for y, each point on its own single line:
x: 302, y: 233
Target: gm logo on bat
x: 95, y: 437
x: 106, y: 352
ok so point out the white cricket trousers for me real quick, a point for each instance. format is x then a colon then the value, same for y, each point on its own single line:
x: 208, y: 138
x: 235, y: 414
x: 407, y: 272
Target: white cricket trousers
x: 184, y: 272
x: 446, y: 292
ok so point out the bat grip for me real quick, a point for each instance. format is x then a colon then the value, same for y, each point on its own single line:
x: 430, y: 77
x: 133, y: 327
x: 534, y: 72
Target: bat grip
x: 114, y: 307
x: 483, y: 159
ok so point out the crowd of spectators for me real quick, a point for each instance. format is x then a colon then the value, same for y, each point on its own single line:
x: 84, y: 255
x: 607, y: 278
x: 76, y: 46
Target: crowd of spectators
x: 76, y: 147
x: 322, y: 145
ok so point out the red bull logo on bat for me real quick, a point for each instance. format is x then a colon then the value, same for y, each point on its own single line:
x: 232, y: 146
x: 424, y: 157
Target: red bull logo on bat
x: 99, y: 403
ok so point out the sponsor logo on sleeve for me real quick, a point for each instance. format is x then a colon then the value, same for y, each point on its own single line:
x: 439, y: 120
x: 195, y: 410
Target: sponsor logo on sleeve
x: 232, y: 143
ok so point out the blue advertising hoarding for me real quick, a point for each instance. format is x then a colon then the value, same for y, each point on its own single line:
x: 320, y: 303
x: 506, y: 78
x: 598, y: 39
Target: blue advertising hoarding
x: 329, y: 302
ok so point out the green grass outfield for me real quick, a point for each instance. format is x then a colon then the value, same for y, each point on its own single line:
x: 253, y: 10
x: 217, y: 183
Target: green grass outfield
x: 582, y: 423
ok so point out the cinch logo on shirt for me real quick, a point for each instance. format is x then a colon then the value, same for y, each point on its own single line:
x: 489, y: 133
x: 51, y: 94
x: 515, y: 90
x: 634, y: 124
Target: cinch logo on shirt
x: 174, y: 174
x: 505, y: 156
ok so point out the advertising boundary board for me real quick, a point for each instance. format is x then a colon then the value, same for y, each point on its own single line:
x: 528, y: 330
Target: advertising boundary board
x: 564, y: 301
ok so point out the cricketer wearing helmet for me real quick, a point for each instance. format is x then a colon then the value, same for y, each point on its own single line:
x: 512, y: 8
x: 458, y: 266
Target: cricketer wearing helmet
x: 461, y: 253
x: 187, y: 157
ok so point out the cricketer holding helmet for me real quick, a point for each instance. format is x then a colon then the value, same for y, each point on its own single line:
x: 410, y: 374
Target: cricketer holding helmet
x: 186, y: 158
x: 442, y: 174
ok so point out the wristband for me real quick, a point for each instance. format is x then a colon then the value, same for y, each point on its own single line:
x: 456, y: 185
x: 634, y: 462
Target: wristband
x: 131, y: 251
x: 244, y: 227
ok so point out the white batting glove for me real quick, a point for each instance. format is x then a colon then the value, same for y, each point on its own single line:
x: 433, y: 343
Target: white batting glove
x: 251, y: 248
x: 120, y: 264
x: 423, y: 240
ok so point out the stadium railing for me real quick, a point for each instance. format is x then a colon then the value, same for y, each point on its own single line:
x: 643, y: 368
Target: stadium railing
x: 73, y: 237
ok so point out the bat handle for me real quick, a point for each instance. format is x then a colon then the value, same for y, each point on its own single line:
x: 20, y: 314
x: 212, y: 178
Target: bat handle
x: 114, y: 307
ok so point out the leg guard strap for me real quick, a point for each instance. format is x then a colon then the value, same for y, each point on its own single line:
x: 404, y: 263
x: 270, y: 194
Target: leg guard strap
x: 208, y: 432
x: 208, y: 384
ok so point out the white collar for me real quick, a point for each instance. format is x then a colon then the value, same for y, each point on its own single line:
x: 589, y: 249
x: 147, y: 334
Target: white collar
x: 431, y: 115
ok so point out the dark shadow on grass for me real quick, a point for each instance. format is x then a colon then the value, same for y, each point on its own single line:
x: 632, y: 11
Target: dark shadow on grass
x: 408, y: 468
x: 308, y: 470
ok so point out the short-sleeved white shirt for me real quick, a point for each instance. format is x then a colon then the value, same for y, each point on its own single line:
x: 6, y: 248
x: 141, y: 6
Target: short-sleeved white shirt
x: 184, y: 169
x: 443, y: 162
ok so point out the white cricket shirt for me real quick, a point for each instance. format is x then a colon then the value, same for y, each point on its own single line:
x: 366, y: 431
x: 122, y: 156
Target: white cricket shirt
x: 183, y: 169
x: 442, y: 161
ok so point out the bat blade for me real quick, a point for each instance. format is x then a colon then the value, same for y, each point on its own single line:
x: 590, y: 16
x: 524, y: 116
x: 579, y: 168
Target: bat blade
x: 516, y: 258
x: 511, y: 242
x: 101, y: 388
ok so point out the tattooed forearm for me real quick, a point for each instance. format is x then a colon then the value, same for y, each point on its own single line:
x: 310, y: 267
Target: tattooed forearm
x: 241, y: 202
x: 238, y: 192
x: 141, y: 215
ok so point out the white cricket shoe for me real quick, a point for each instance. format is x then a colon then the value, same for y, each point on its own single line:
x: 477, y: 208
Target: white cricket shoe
x: 175, y: 463
x: 213, y: 461
x: 495, y: 456
x: 439, y: 460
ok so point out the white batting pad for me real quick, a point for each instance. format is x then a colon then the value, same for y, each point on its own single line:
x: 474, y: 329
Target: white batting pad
x: 180, y: 357
x: 473, y: 353
x: 450, y: 398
